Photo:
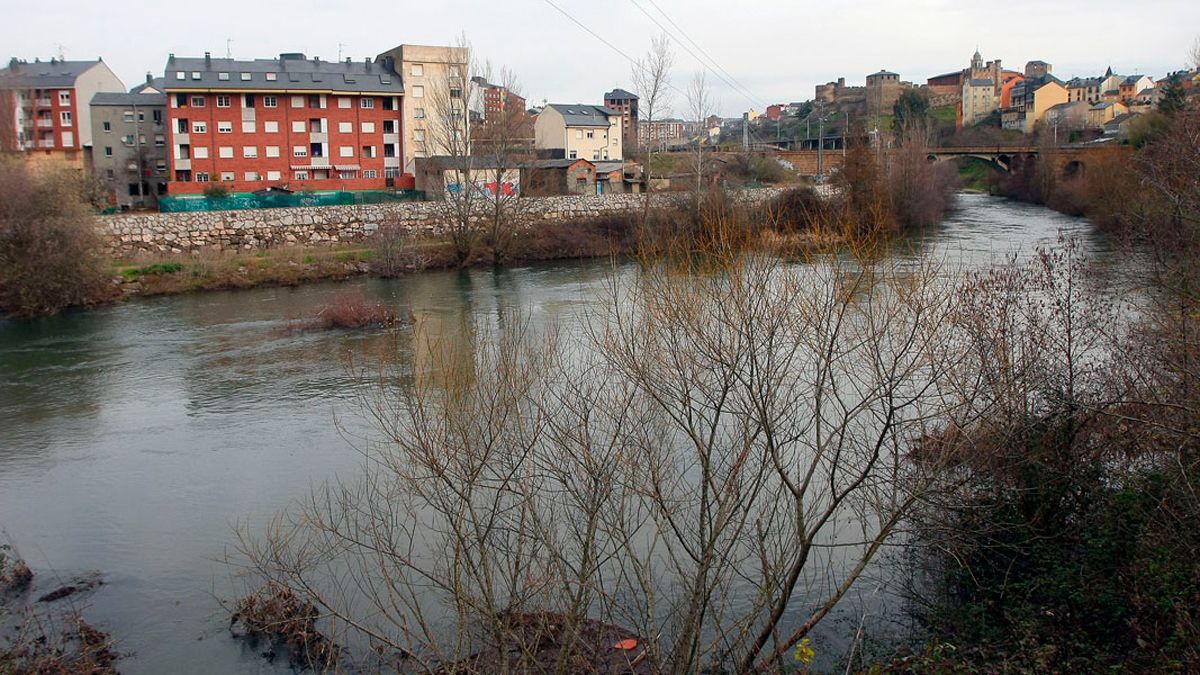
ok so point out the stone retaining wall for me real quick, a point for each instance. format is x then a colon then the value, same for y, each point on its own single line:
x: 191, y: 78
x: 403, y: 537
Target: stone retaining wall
x: 321, y: 225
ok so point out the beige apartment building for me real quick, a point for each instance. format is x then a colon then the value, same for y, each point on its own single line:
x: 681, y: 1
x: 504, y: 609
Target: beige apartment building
x: 434, y: 78
x: 578, y: 131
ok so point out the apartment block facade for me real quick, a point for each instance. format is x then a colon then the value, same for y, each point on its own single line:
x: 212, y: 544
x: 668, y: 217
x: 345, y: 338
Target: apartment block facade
x: 578, y: 131
x: 130, y: 153
x: 45, y: 110
x: 291, y: 122
x: 434, y: 78
x: 626, y: 103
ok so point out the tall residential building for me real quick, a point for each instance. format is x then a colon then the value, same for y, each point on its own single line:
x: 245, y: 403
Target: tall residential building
x: 492, y: 100
x: 292, y: 122
x: 434, y: 77
x: 130, y: 154
x: 578, y: 131
x: 44, y: 110
x: 979, y: 99
x: 625, y: 103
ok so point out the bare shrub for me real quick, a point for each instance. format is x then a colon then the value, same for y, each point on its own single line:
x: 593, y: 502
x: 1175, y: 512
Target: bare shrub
x: 62, y: 646
x: 50, y: 255
x: 394, y: 252
x: 920, y: 191
x: 352, y: 309
x: 15, y: 575
x: 278, y: 615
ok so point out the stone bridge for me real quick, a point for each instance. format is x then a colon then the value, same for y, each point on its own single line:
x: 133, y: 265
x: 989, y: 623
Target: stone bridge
x: 1071, y: 160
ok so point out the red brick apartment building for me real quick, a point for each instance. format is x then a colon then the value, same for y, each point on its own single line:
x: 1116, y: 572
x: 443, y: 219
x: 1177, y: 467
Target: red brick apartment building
x: 44, y: 113
x: 497, y: 99
x: 291, y: 122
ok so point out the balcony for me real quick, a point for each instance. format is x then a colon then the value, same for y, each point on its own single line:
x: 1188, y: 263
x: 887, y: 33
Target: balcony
x: 46, y: 143
x: 318, y: 137
x: 183, y: 139
x: 46, y: 123
x: 183, y: 165
x: 42, y: 103
x: 391, y: 162
x: 391, y: 138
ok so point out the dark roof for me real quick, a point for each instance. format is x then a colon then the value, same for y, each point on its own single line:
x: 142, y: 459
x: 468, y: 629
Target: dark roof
x: 884, y: 72
x: 558, y: 163
x: 584, y: 114
x: 125, y: 100
x: 52, y: 73
x: 1117, y: 121
x: 619, y: 94
x: 608, y: 166
x: 1132, y: 79
x: 985, y: 82
x: 154, y: 83
x: 291, y: 72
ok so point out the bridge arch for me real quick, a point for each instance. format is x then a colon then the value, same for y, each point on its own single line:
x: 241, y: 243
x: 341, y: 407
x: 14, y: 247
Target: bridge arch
x: 1074, y: 169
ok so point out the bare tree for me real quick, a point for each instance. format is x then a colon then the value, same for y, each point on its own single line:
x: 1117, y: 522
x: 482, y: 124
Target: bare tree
x: 447, y: 137
x: 700, y: 106
x: 503, y: 140
x: 652, y: 78
x: 708, y: 470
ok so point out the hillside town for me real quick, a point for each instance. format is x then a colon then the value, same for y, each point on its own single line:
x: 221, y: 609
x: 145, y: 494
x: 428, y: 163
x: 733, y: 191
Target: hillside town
x: 388, y: 125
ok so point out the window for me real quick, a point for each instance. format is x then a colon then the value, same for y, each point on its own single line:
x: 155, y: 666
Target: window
x: 270, y: 101
x: 64, y: 98
x: 108, y: 151
x: 199, y: 127
x: 369, y: 173
x: 300, y: 175
x: 579, y: 133
x: 366, y: 102
x: 418, y: 134
x: 200, y: 152
x: 225, y: 152
x: 418, y: 69
x: 418, y: 113
x: 108, y: 173
x: 180, y: 75
x: 389, y: 149
x: 391, y: 172
x: 572, y: 155
x: 314, y: 101
x: 368, y: 151
x: 346, y: 151
x: 159, y: 140
x: 65, y: 118
x: 160, y: 166
x: 455, y: 92
x: 591, y: 134
x: 128, y: 115
x: 368, y: 127
x: 141, y: 116
x: 224, y: 127
x: 273, y: 175
x: 271, y: 77
x: 197, y: 101
x: 297, y: 101
x: 299, y: 127
x: 272, y: 151
x: 250, y: 152
x: 389, y: 102
x: 227, y: 176
x: 224, y: 77
x: 346, y: 127
x: 248, y: 126
x: 222, y: 101
x: 345, y: 102
x: 389, y: 126
x: 181, y: 126
x: 251, y: 176
x: 271, y: 127
x: 595, y: 154
x: 158, y: 117
x: 245, y: 77
x: 201, y: 176
x: 347, y: 175
x: 127, y: 140
x: 299, y: 151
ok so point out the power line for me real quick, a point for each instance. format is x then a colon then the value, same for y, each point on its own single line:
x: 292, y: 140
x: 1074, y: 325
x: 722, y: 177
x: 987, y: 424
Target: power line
x: 735, y: 83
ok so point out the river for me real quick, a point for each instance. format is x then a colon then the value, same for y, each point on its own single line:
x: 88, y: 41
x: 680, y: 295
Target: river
x: 133, y: 438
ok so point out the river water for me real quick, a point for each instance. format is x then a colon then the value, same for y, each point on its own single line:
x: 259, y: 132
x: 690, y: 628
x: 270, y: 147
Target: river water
x: 134, y: 438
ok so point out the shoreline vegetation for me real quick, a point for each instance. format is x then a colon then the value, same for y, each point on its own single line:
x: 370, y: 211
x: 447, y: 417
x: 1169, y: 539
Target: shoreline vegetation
x: 52, y: 259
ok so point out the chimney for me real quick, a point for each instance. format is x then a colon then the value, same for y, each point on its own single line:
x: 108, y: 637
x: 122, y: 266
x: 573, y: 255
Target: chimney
x: 367, y: 63
x: 149, y: 77
x: 208, y: 59
x: 171, y: 57
x: 347, y: 60
x: 316, y: 60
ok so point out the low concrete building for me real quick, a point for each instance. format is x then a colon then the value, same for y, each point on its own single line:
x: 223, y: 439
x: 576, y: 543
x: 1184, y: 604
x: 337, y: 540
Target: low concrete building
x: 438, y: 176
x: 130, y: 152
x: 1118, y: 127
x: 578, y: 131
x: 549, y: 177
x: 433, y: 77
x: 1070, y: 116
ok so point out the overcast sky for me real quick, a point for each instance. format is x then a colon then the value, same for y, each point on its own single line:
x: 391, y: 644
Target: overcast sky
x: 775, y: 51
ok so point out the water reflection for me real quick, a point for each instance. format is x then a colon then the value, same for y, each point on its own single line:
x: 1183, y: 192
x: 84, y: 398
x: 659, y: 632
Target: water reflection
x: 132, y: 437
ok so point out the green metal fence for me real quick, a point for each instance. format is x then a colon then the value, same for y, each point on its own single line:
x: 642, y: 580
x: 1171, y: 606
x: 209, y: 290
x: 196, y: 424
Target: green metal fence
x: 249, y: 200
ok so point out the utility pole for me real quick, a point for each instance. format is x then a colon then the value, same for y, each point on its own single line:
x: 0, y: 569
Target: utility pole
x: 821, y: 146
x: 745, y: 132
x: 845, y: 133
